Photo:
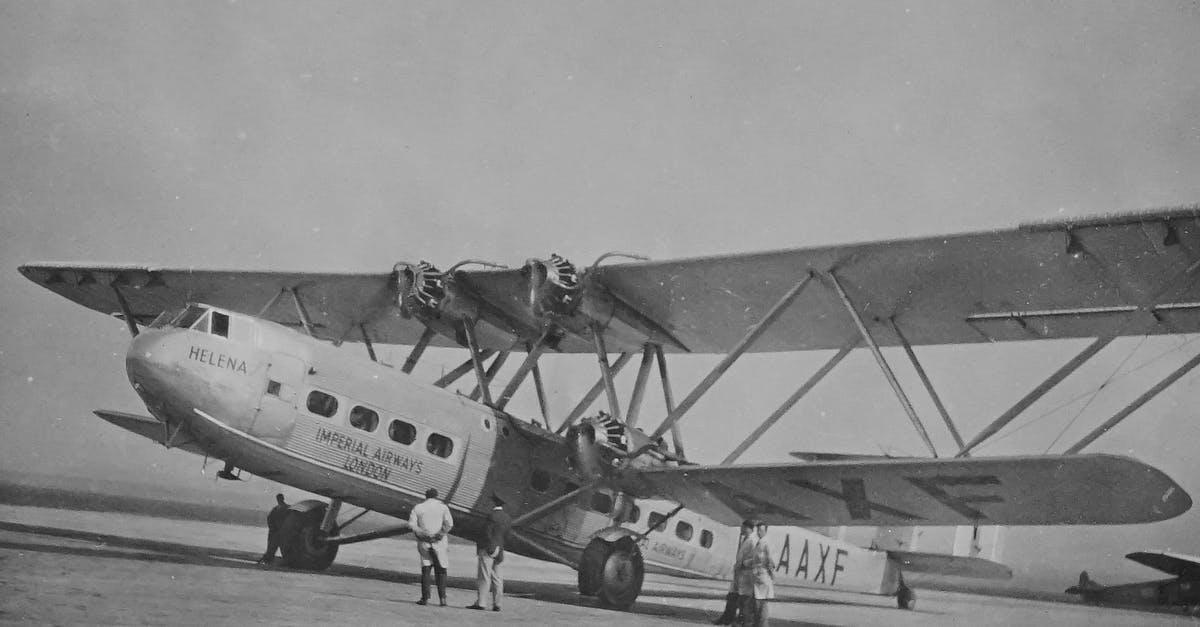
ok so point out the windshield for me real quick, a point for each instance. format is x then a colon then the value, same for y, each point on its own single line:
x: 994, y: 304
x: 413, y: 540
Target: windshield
x: 165, y: 318
x: 189, y: 316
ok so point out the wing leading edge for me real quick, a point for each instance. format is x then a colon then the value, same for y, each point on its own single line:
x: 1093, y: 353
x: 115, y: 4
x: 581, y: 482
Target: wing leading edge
x: 1124, y: 274
x: 1176, y: 564
x: 1035, y: 490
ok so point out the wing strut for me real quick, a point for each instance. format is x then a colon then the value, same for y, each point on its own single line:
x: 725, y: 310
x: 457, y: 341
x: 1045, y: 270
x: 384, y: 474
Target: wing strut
x: 303, y: 313
x: 463, y: 368
x: 606, y: 375
x: 490, y: 375
x: 789, y: 403
x: 883, y: 365
x: 639, y: 386
x: 937, y: 400
x: 669, y: 400
x: 1132, y: 407
x: 745, y: 343
x: 426, y: 337
x: 126, y: 311
x: 367, y: 342
x: 481, y: 380
x: 1035, y: 394
x: 531, y: 359
x: 591, y: 395
x: 540, y: 388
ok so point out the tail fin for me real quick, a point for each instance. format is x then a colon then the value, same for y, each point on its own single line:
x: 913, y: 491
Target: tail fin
x: 1085, y: 585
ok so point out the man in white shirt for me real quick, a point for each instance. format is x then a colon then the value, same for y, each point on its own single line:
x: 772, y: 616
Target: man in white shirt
x: 430, y: 522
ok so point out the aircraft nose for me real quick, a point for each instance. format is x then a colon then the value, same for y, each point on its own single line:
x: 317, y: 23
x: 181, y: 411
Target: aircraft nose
x: 146, y: 364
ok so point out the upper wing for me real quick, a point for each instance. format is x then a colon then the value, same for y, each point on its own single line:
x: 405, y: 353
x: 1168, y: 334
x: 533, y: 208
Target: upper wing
x: 336, y: 303
x: 1171, y: 563
x: 1119, y: 275
x: 1041, y: 490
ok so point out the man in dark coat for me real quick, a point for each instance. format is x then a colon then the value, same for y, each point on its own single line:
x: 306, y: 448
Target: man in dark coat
x: 490, y: 551
x: 274, y: 524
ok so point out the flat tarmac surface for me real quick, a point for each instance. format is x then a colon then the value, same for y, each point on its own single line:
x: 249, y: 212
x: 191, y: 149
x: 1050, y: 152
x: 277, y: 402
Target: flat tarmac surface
x: 67, y: 567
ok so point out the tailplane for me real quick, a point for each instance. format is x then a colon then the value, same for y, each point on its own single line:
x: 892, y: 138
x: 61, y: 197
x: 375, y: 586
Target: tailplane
x: 1085, y: 585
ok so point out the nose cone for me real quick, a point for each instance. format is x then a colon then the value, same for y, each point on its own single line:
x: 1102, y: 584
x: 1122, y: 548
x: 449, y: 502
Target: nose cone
x: 147, y: 366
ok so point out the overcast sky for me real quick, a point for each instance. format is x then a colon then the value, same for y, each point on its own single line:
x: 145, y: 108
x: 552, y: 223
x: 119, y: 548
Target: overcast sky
x: 348, y: 136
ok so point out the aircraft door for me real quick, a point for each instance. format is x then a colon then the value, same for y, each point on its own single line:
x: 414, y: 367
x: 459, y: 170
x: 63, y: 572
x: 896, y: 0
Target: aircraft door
x: 277, y: 406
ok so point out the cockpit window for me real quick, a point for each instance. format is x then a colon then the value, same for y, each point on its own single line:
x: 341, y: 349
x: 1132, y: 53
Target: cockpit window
x: 189, y: 316
x: 165, y: 318
x: 220, y: 324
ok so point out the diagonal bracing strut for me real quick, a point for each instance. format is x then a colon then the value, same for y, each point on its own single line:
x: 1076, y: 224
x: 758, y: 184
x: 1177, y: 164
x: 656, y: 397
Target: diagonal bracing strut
x: 789, y: 403
x: 741, y: 347
x: 883, y: 365
x: 937, y: 400
x: 1035, y: 394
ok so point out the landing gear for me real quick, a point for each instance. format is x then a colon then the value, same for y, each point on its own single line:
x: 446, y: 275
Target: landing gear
x: 301, y: 541
x: 612, y: 571
x: 906, y: 598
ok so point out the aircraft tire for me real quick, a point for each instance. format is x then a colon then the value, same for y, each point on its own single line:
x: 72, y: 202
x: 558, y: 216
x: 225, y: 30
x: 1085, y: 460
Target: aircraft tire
x: 622, y: 575
x: 906, y: 598
x: 302, y: 544
x: 591, y: 566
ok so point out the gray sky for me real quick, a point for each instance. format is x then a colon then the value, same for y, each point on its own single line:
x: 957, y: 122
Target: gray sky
x: 347, y: 136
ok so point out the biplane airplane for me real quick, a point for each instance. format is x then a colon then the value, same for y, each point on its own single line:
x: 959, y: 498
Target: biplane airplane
x: 1182, y: 590
x: 248, y: 367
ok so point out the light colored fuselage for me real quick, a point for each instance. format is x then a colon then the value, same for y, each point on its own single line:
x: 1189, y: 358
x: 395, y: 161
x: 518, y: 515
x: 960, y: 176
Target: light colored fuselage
x: 307, y: 414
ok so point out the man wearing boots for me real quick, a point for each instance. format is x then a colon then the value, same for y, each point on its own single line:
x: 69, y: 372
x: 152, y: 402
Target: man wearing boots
x: 430, y: 522
x: 732, y: 602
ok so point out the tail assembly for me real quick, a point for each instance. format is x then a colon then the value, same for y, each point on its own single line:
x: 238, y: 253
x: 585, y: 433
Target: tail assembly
x: 1085, y: 586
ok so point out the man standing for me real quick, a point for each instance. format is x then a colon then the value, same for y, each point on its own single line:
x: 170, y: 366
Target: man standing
x: 762, y: 567
x: 732, y: 601
x: 490, y: 551
x: 430, y: 522
x: 274, y: 524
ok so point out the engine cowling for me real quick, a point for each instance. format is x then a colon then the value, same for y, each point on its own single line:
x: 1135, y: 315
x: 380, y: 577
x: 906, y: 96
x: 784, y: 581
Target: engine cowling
x: 601, y: 444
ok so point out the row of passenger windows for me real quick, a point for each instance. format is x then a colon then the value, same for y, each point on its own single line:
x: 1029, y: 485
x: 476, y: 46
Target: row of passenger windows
x: 367, y: 419
x: 540, y: 480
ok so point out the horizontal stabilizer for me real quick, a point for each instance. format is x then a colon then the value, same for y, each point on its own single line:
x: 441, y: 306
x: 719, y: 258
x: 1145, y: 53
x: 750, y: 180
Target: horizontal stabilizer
x: 150, y: 428
x: 1176, y: 564
x: 808, y: 456
x: 954, y: 565
x: 1094, y: 489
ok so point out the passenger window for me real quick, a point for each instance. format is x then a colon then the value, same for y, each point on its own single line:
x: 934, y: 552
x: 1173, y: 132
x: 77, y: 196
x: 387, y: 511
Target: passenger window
x: 602, y: 502
x: 273, y: 388
x: 540, y: 480
x: 706, y: 538
x: 683, y: 531
x: 363, y: 418
x: 439, y: 445
x: 655, y: 521
x: 402, y: 432
x: 220, y: 324
x: 635, y: 513
x: 322, y: 404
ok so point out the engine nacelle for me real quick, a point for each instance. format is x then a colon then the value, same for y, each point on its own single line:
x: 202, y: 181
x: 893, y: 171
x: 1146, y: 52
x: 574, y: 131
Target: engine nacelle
x: 600, y: 445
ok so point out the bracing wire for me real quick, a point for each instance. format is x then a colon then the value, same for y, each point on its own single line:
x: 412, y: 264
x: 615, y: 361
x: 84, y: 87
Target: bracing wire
x: 1091, y: 393
x: 1095, y: 393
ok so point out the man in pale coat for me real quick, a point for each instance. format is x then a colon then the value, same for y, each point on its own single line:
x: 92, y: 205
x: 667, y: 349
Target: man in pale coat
x: 430, y: 521
x: 762, y: 575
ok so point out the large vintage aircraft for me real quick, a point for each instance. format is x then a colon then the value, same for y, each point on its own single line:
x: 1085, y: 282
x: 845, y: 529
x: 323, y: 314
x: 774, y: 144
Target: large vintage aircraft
x: 227, y: 368
x: 1181, y: 590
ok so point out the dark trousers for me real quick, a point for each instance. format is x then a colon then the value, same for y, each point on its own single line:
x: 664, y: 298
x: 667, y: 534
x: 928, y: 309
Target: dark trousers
x: 754, y: 612
x: 272, y: 548
x: 439, y: 573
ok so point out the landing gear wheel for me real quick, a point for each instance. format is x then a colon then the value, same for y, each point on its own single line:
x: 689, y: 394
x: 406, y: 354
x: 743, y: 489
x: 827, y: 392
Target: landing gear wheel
x: 906, y: 598
x: 591, y: 564
x: 612, y: 571
x: 302, y: 543
x: 622, y: 575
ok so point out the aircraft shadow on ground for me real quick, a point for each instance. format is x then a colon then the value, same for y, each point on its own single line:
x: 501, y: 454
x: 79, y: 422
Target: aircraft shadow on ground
x: 121, y: 547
